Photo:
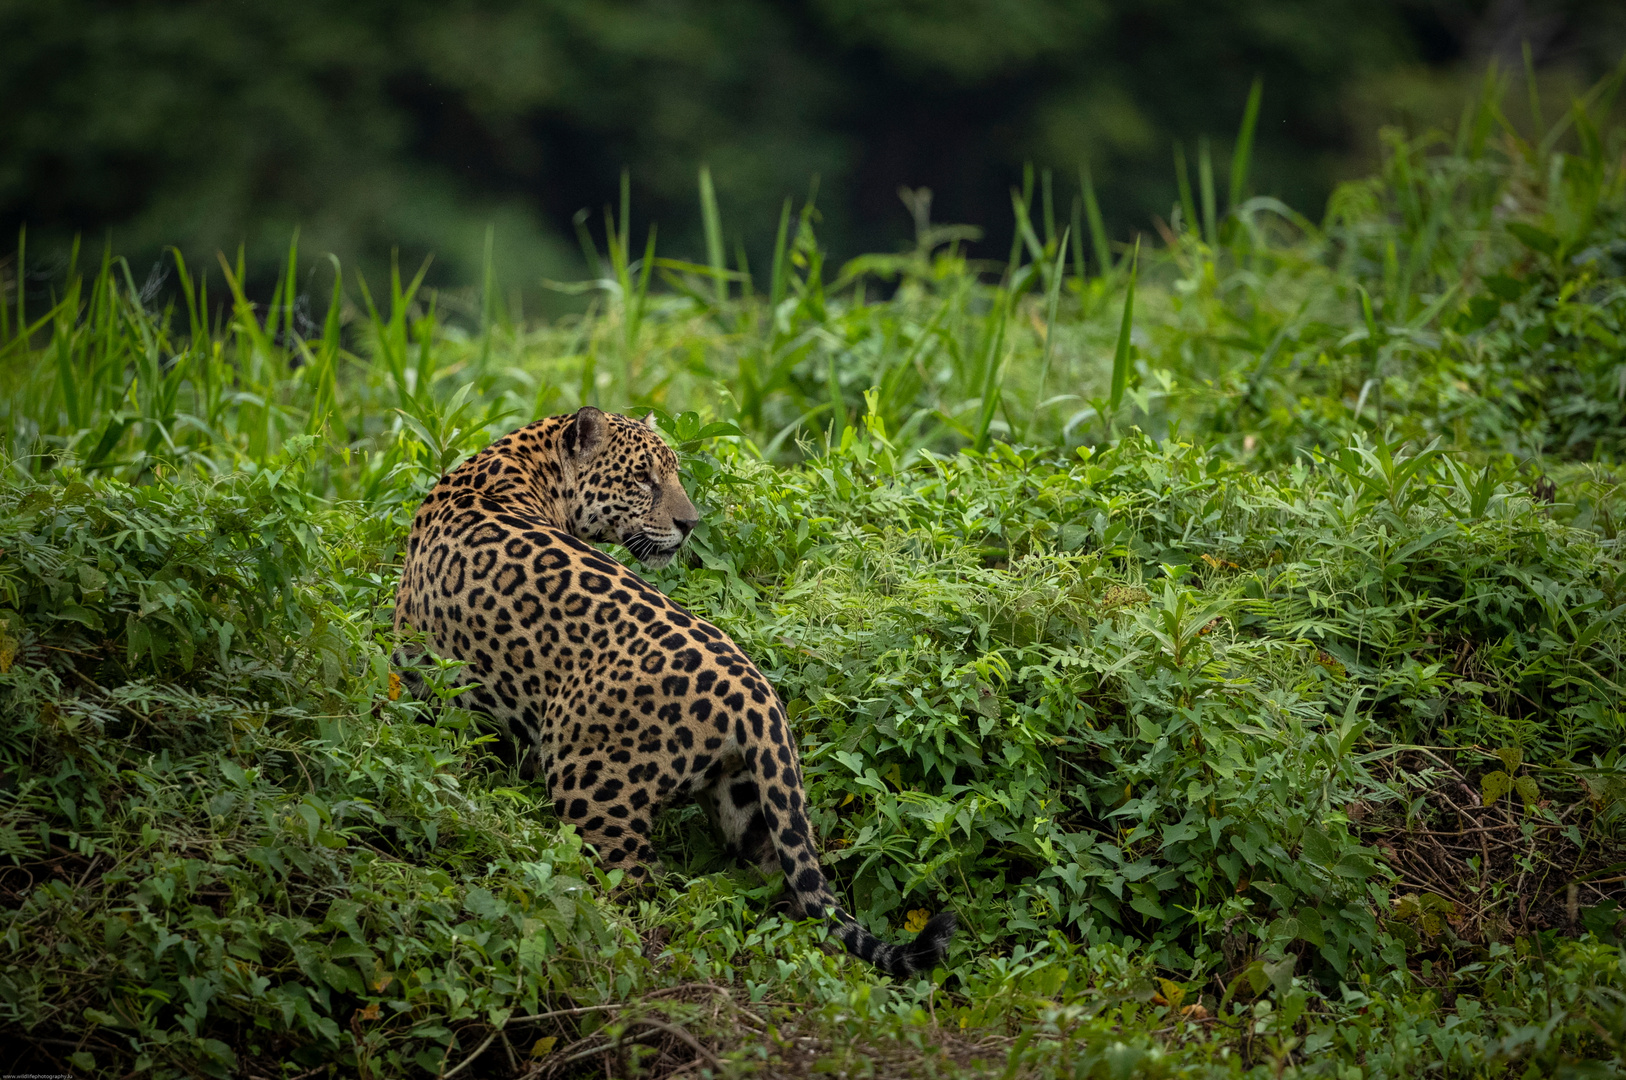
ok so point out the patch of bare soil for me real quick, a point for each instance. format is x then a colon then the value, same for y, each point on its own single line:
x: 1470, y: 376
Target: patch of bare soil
x: 698, y: 1028
x: 1488, y: 849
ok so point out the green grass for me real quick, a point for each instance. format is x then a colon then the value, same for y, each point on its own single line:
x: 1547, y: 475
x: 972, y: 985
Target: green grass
x: 1229, y: 629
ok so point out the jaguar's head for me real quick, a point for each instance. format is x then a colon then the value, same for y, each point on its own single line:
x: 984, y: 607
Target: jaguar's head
x: 624, y: 486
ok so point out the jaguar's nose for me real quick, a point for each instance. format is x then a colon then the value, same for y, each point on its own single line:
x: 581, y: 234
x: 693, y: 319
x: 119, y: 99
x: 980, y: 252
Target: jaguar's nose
x: 686, y: 525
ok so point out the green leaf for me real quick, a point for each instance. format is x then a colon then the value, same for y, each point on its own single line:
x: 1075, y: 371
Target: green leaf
x: 1280, y: 973
x: 1144, y: 900
x: 345, y: 949
x: 1310, y: 926
x: 1533, y: 238
x: 1318, y: 848
x: 1356, y: 866
x: 342, y: 978
x: 1493, y: 786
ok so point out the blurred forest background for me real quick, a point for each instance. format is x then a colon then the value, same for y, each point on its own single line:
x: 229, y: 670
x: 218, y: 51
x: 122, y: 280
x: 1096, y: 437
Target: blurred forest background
x: 412, y: 125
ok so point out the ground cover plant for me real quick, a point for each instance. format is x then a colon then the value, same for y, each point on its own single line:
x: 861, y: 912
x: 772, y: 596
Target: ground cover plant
x: 1227, y: 625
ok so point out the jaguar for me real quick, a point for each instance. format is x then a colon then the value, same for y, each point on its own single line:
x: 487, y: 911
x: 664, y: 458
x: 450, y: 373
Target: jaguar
x: 620, y: 699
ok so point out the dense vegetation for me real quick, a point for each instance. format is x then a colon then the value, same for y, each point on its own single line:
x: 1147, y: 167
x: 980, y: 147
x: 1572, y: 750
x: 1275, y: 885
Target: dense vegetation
x: 1229, y: 627
x: 414, y: 123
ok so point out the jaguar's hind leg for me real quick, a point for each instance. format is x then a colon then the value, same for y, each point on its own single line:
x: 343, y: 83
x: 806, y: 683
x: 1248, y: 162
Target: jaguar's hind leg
x: 622, y: 843
x: 734, y: 802
x: 516, y: 743
x: 605, y: 816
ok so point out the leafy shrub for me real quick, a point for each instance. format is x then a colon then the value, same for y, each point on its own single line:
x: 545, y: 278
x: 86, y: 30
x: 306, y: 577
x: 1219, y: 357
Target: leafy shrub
x: 1250, y: 721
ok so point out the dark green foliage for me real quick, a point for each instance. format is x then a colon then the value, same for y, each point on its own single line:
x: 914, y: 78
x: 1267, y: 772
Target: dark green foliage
x: 1024, y: 692
x: 1254, y: 698
x: 1418, y: 308
x: 262, y: 843
x: 414, y: 125
x: 1106, y: 675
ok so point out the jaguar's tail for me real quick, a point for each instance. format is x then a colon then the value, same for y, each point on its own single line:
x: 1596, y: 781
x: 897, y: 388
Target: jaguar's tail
x: 790, y: 838
x: 898, y: 961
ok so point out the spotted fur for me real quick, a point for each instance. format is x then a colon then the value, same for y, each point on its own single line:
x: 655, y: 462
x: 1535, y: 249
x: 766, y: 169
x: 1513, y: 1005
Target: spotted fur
x: 621, y: 699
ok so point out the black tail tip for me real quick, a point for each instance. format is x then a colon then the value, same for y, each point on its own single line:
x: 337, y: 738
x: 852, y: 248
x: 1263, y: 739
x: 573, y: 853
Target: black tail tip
x: 932, y: 942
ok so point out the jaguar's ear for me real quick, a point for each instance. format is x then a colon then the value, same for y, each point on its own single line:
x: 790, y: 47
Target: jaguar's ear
x: 586, y: 435
x: 649, y: 421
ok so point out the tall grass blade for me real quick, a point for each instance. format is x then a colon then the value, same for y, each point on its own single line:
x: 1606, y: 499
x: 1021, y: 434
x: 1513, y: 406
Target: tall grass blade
x: 742, y: 265
x: 290, y: 286
x: 633, y: 294
x: 1465, y: 126
x: 326, y: 401
x: 1047, y: 202
x: 62, y: 345
x: 1600, y: 97
x: 991, y: 363
x: 1098, y: 229
x: 991, y: 366
x: 424, y: 329
x: 646, y: 267
x: 103, y: 328
x: 1025, y: 200
x: 1024, y: 231
x: 1122, y: 356
x: 1076, y: 232
x: 584, y: 237
x: 1182, y: 178
x: 713, y: 222
x: 780, y: 279
x: 626, y: 210
x: 196, y: 317
x: 1242, y: 156
x: 1530, y: 85
x: 1052, y: 301
x: 1488, y: 117
x: 1205, y: 190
